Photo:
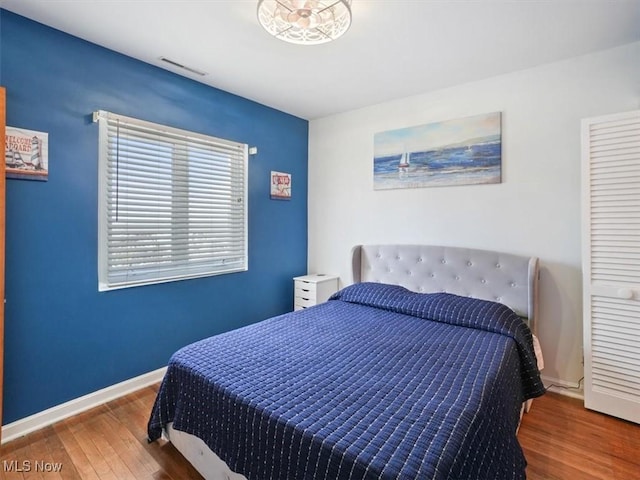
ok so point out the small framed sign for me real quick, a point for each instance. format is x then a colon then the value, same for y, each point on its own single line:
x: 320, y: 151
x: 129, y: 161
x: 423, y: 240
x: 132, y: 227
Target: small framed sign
x: 281, y: 185
x: 27, y: 154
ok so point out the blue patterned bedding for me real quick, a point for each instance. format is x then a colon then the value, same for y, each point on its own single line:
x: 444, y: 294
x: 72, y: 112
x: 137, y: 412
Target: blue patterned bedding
x: 377, y: 383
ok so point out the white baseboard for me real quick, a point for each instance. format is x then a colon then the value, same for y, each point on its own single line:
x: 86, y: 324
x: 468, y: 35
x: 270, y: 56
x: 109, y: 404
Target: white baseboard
x: 556, y: 385
x: 39, y: 420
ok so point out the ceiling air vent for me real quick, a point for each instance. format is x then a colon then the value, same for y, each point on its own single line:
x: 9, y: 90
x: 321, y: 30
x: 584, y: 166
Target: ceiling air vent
x: 179, y: 65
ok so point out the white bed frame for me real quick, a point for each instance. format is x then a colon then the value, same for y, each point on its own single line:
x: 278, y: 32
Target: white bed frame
x: 501, y: 277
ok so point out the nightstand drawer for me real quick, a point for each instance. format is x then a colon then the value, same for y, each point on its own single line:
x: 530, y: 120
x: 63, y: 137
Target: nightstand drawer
x: 305, y: 290
x: 303, y: 303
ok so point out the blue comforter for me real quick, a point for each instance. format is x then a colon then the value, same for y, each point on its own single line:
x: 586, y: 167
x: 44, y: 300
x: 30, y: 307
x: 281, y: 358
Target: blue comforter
x: 378, y: 383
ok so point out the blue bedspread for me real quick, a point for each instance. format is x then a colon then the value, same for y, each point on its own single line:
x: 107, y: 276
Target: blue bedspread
x: 378, y: 383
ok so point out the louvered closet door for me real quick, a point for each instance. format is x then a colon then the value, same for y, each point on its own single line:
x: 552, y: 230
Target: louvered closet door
x: 611, y: 267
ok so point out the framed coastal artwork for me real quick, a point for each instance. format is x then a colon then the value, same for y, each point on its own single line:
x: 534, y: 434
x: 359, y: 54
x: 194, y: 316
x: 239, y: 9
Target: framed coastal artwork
x: 26, y: 154
x: 464, y: 151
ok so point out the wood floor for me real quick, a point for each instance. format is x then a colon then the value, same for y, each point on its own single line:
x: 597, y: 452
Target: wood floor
x: 561, y: 440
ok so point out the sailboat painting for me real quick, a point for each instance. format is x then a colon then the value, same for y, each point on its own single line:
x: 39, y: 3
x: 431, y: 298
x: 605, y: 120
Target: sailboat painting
x: 464, y: 151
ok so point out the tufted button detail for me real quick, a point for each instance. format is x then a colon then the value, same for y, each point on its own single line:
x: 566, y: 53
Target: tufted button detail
x: 497, y: 265
x: 513, y: 284
x: 420, y: 259
x: 397, y: 257
x: 483, y: 281
x: 433, y: 275
x: 469, y: 263
x: 498, y: 299
x: 457, y: 277
x: 409, y: 272
x: 443, y: 261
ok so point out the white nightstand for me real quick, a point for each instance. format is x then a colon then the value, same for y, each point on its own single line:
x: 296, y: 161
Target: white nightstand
x: 310, y: 290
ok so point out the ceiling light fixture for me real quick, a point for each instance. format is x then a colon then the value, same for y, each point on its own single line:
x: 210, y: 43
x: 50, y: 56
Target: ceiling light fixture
x: 305, y: 22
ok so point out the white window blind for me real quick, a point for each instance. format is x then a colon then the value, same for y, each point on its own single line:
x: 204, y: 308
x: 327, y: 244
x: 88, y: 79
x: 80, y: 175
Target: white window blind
x: 172, y: 203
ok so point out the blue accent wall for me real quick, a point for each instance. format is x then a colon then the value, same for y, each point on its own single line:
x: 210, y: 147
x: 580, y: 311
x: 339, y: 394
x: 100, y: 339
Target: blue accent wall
x: 64, y: 339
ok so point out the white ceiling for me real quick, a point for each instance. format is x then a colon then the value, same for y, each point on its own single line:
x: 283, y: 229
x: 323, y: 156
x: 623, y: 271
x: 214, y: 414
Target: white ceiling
x: 394, y: 48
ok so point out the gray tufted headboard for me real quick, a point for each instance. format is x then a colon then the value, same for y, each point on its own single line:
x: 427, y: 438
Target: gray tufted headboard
x: 500, y: 277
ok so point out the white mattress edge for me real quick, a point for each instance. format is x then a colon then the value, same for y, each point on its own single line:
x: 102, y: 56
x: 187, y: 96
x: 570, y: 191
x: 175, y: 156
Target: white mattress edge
x: 205, y: 461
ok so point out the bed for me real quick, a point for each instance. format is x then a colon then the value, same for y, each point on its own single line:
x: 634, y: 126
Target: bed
x: 419, y: 369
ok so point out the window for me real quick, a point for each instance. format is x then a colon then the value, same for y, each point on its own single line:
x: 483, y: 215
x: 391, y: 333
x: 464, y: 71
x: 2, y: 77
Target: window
x: 172, y: 204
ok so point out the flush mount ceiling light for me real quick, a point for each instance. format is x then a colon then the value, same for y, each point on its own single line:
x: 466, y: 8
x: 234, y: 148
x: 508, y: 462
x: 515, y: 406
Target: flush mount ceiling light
x: 305, y: 22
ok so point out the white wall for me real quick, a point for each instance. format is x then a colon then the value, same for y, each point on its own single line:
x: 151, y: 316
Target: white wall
x: 534, y: 211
